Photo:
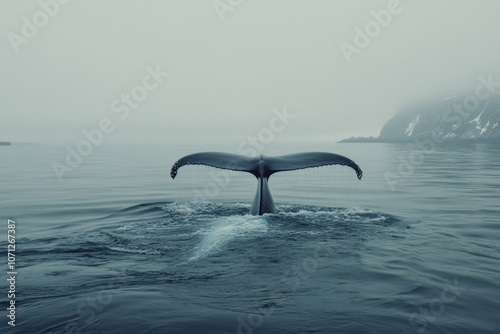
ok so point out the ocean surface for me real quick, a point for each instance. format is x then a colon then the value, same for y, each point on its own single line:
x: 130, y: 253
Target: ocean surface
x: 117, y: 246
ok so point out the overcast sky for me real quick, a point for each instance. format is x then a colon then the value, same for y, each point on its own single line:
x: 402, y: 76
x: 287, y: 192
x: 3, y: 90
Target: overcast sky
x: 230, y: 65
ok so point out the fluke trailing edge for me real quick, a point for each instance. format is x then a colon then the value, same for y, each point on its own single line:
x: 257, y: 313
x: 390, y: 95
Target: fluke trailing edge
x: 263, y: 167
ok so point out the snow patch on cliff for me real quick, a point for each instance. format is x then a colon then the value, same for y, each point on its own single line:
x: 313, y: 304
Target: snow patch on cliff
x: 410, y: 128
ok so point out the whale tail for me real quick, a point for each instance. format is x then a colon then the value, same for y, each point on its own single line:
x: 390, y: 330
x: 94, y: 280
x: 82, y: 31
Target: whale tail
x: 263, y: 167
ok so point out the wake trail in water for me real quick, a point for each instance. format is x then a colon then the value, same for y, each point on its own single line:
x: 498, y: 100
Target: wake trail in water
x: 227, y: 229
x: 193, y: 231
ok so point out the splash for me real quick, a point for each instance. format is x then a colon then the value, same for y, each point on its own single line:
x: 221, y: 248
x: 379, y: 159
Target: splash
x: 227, y: 229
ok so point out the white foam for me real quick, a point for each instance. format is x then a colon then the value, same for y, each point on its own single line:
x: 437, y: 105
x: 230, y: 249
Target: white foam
x: 135, y: 251
x: 227, y: 229
x: 185, y: 208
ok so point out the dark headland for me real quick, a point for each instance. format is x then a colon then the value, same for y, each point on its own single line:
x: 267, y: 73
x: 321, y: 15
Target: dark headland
x: 453, y: 119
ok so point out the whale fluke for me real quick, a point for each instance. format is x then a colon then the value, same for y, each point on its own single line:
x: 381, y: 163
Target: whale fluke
x: 263, y: 167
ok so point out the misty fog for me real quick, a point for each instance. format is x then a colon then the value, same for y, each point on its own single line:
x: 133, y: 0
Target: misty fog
x: 230, y: 64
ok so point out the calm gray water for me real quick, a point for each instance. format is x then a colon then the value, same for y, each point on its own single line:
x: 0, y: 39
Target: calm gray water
x: 119, y: 247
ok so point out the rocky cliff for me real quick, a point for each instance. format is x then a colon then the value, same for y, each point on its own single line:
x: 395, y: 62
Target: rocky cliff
x: 463, y: 118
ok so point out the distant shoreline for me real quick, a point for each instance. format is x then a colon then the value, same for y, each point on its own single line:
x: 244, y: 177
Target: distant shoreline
x: 374, y: 140
x: 358, y: 140
x: 15, y: 143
